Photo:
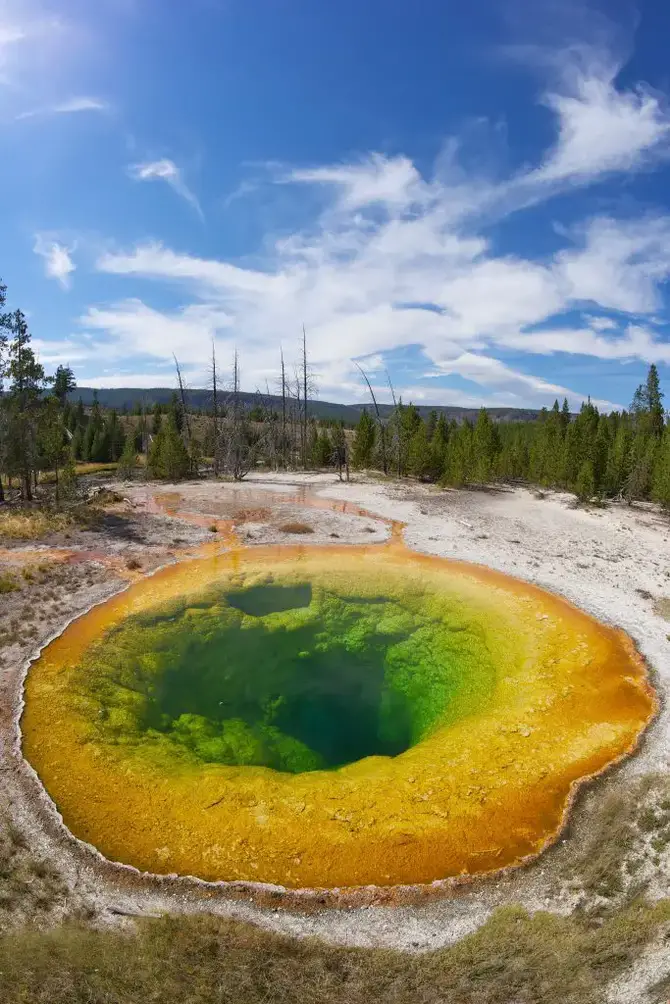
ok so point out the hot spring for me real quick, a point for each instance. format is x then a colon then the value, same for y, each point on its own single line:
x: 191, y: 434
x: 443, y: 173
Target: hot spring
x: 328, y: 717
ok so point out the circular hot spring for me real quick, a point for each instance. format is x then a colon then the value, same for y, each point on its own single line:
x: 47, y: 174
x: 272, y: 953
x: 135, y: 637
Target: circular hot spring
x: 329, y: 719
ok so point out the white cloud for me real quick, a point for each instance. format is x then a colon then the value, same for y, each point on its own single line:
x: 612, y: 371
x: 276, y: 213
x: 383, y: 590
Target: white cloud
x: 635, y: 343
x: 398, y: 260
x: 601, y: 128
x: 136, y: 329
x: 493, y: 373
x: 157, y: 262
x: 58, y: 263
x: 68, y: 107
x: 144, y: 381
x: 166, y: 170
x: 602, y: 323
x: 65, y: 351
x: 620, y: 265
x: 391, y: 181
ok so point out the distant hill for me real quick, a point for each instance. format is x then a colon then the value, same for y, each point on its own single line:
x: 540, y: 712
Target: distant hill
x: 127, y: 398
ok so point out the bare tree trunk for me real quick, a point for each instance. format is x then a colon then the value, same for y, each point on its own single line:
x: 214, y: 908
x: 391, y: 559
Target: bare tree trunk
x: 182, y: 394
x: 284, y: 444
x: 215, y: 412
x: 297, y: 419
x: 397, y: 421
x: 237, y: 451
x: 382, y: 430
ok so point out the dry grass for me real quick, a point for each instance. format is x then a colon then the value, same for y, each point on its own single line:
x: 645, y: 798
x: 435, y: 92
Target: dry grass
x: 34, y: 524
x: 132, y: 564
x: 49, y: 477
x: 295, y: 528
x: 514, y: 958
x: 9, y: 583
x: 30, y: 524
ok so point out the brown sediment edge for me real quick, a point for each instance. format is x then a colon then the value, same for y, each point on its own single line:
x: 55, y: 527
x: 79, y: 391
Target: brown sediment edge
x: 307, y: 900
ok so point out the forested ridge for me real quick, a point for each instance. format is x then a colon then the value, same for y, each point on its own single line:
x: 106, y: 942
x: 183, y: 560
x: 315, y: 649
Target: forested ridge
x: 44, y: 428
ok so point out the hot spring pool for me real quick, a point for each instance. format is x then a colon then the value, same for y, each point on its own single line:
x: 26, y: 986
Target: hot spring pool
x: 328, y: 717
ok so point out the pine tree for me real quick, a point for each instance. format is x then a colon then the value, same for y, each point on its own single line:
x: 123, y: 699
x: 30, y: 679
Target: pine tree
x: 168, y: 457
x: 51, y: 439
x: 64, y: 384
x: 458, y: 465
x: 654, y: 402
x: 419, y: 457
x: 157, y: 419
x: 438, y: 449
x: 23, y: 402
x: 68, y: 479
x: 128, y: 459
x: 175, y: 408
x: 585, y: 487
x: 485, y: 446
x: 115, y: 437
x: 339, y: 449
x: 364, y: 441
x: 661, y: 480
x: 618, y: 464
x: 321, y: 449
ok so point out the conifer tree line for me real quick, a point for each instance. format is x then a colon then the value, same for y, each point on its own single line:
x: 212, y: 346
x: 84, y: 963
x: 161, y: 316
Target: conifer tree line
x: 617, y: 455
x: 44, y: 429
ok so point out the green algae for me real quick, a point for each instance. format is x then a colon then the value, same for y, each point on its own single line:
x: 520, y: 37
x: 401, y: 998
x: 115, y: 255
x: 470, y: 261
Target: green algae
x: 293, y: 676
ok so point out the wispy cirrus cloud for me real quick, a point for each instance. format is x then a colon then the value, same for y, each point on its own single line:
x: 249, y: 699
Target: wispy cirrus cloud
x: 167, y: 171
x: 70, y: 106
x: 58, y: 263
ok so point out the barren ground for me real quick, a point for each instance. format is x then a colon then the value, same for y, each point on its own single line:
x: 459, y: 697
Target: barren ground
x: 612, y: 562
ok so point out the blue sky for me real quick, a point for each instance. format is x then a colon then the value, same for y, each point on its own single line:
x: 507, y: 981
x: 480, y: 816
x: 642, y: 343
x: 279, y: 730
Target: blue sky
x: 473, y: 197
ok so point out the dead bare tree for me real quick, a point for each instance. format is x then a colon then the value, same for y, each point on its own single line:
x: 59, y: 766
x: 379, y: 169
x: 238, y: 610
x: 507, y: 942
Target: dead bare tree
x: 182, y: 395
x: 297, y: 431
x: 215, y: 411
x: 284, y: 440
x: 396, y: 424
x: 380, y: 421
x: 240, y: 454
x: 304, y: 398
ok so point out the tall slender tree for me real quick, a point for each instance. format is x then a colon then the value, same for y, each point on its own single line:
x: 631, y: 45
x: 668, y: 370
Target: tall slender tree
x: 27, y: 382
